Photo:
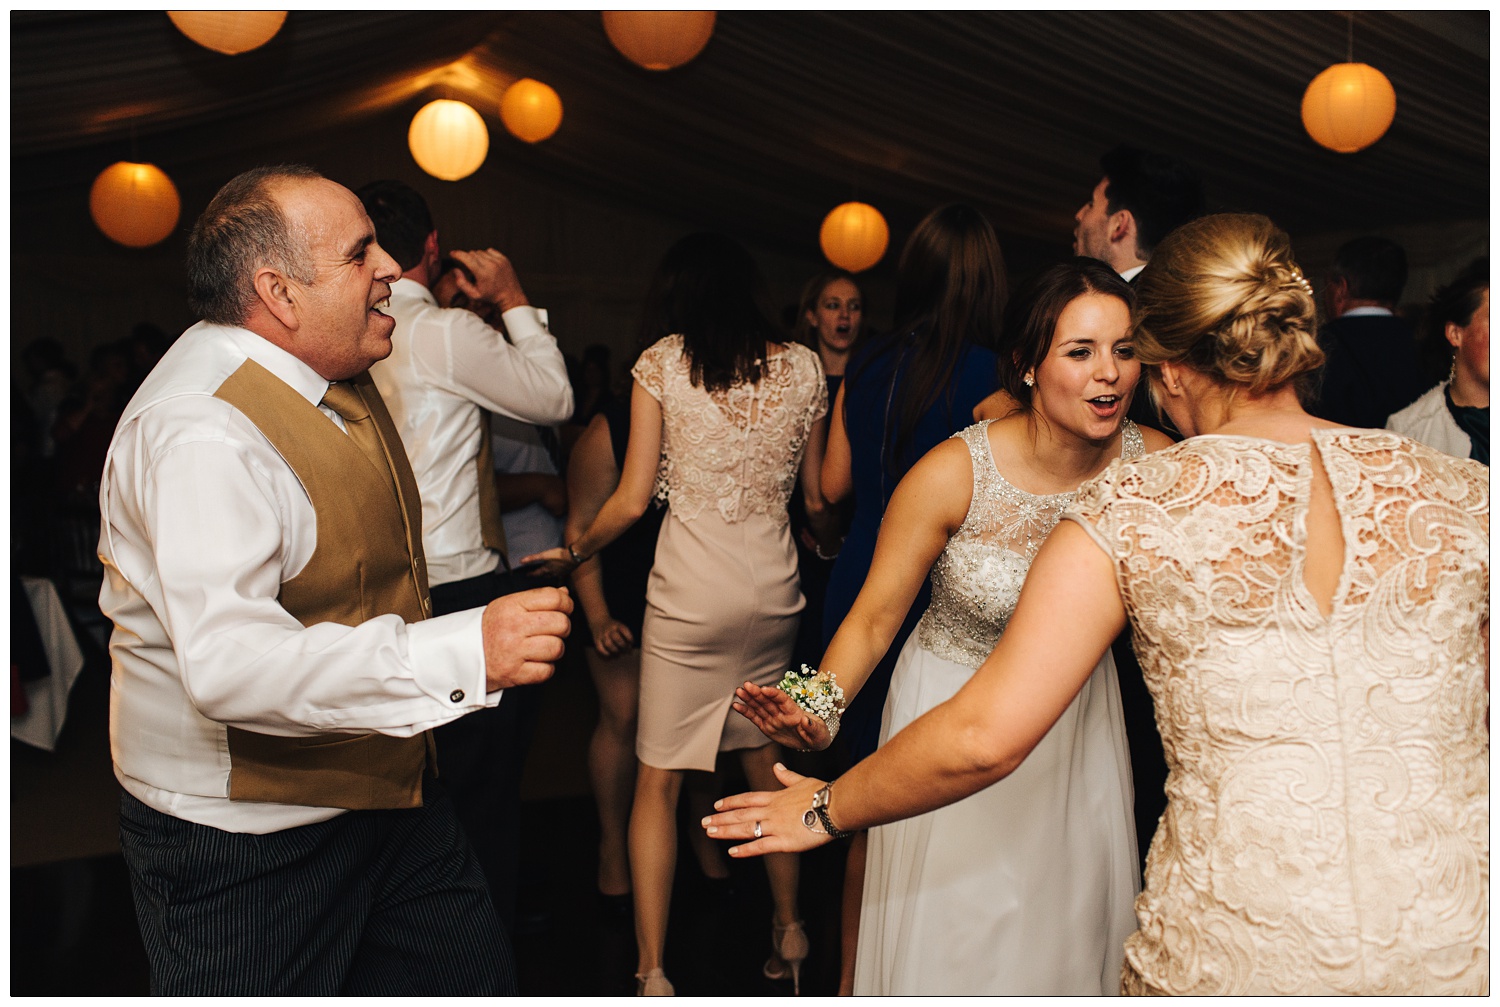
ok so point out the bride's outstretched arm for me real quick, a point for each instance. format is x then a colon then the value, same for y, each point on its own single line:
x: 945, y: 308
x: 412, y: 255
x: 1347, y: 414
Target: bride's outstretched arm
x: 926, y: 509
x: 1069, y: 611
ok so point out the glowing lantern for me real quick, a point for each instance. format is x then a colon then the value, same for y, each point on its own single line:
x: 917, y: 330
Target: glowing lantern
x: 1348, y: 107
x: 229, y: 31
x: 659, y: 39
x: 531, y: 110
x: 854, y: 236
x: 134, y: 204
x: 448, y: 139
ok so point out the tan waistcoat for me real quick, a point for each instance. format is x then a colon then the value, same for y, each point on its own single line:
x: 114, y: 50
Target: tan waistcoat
x: 367, y: 562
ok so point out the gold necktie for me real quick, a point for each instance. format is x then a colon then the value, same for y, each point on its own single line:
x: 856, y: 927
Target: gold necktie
x: 343, y: 399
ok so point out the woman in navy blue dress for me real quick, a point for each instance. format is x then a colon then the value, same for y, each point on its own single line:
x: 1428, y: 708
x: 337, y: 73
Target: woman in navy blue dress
x: 903, y: 394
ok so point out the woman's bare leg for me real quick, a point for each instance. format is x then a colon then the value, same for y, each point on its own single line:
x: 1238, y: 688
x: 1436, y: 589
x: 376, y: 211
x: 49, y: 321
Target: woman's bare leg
x: 612, y: 766
x: 653, y: 858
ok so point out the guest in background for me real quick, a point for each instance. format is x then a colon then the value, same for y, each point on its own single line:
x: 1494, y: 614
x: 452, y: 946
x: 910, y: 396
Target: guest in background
x: 829, y: 320
x: 1142, y: 197
x: 725, y: 414
x: 1454, y: 416
x: 610, y: 591
x: 86, y: 420
x: 447, y: 372
x: 1372, y: 369
x: 49, y: 377
x: 903, y: 394
x: 593, y: 390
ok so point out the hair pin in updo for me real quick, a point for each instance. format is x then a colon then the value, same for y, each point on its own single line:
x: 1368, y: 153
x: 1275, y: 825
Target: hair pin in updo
x: 1302, y: 281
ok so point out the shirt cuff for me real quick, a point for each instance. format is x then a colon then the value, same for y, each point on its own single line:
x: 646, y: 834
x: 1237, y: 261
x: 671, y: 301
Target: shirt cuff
x: 526, y: 322
x: 447, y: 660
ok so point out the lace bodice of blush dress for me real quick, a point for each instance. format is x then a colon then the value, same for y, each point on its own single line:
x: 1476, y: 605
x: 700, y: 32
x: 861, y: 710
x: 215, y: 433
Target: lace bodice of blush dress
x: 1328, y: 824
x: 977, y: 579
x: 736, y: 450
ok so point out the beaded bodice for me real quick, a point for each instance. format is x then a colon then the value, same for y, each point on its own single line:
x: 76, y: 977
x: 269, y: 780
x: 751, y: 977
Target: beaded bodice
x: 736, y: 450
x: 977, y: 579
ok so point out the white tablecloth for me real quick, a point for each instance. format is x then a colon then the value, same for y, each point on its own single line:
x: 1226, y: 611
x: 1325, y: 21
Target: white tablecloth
x: 48, y: 697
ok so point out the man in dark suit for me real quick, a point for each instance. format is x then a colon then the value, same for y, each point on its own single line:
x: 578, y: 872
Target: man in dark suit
x: 1141, y: 198
x: 1372, y: 369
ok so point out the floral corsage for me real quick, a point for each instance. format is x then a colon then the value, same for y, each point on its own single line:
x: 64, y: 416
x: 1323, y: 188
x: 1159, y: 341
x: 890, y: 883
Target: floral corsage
x: 817, y: 693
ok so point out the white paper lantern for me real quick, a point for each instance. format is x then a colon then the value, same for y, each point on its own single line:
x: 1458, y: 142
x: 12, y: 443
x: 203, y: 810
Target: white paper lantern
x: 448, y: 139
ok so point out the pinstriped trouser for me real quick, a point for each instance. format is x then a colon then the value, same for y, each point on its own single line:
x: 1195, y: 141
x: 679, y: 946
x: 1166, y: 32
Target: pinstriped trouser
x: 368, y: 903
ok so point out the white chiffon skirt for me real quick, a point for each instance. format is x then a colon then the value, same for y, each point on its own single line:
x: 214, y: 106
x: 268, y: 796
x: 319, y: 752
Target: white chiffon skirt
x: 1026, y: 887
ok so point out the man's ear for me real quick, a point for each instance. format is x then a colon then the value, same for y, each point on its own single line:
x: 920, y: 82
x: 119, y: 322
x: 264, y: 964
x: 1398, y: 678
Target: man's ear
x: 1122, y: 227
x: 277, y: 296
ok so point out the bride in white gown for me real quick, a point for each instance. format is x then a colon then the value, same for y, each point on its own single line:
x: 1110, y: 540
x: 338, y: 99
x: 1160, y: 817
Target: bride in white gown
x: 1026, y: 887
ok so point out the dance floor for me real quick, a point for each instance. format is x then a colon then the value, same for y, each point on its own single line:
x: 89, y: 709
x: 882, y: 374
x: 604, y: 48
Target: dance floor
x: 73, y: 928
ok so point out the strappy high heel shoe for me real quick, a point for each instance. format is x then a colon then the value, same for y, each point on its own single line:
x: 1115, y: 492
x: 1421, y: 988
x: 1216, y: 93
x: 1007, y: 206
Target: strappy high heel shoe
x: 790, y: 944
x: 654, y: 984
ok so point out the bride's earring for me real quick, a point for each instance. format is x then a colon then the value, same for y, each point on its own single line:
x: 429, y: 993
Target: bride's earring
x: 1029, y: 381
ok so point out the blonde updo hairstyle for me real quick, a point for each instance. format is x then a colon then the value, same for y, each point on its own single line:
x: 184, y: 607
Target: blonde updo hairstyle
x: 1222, y: 295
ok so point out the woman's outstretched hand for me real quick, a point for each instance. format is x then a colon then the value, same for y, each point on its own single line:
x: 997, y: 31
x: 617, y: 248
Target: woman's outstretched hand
x: 778, y: 817
x: 780, y: 718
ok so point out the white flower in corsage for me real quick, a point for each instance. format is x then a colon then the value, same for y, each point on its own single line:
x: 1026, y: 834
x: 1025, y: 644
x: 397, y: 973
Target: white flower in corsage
x: 817, y: 693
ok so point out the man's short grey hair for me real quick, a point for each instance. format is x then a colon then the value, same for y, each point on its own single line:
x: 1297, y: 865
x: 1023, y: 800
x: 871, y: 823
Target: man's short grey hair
x: 241, y: 231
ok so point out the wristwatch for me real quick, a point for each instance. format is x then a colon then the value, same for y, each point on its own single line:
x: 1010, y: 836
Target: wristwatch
x: 818, y: 815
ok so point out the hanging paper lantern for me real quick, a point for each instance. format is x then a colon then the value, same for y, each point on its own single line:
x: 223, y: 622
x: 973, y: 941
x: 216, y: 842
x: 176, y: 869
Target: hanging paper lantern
x: 134, y: 204
x: 229, y: 31
x: 531, y: 110
x: 659, y: 39
x: 1348, y: 107
x: 448, y: 139
x: 854, y: 236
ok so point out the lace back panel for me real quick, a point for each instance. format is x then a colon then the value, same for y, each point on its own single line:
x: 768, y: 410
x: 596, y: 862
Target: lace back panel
x: 1327, y: 830
x: 736, y: 449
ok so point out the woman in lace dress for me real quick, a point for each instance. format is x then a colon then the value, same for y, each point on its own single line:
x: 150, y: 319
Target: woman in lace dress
x: 1310, y: 606
x: 724, y: 416
x: 1026, y: 887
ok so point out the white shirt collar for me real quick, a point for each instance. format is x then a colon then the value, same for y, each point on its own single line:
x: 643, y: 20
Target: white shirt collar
x: 411, y: 288
x: 1366, y: 311
x: 1132, y: 272
x: 301, y: 378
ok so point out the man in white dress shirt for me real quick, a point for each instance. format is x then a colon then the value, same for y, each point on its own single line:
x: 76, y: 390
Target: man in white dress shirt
x: 448, y: 371
x: 274, y: 673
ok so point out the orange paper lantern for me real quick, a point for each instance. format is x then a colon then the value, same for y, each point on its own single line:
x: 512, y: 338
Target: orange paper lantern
x: 854, y: 236
x: 1348, y: 107
x: 448, y: 139
x: 134, y: 204
x: 659, y: 39
x: 229, y: 31
x: 531, y: 110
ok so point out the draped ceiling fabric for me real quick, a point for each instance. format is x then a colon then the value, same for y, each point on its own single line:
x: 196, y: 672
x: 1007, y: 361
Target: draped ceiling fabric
x: 783, y: 116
